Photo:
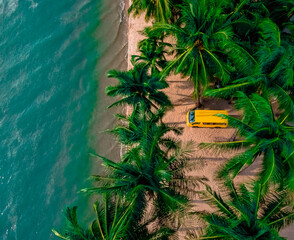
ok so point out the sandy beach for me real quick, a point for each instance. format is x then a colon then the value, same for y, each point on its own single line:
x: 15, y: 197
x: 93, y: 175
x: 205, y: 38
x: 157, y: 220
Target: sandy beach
x: 113, y: 28
x: 205, y: 163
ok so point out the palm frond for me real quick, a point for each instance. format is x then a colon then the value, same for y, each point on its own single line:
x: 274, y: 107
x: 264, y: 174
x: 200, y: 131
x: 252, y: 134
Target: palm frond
x: 218, y: 147
x: 229, y: 90
x: 234, y: 165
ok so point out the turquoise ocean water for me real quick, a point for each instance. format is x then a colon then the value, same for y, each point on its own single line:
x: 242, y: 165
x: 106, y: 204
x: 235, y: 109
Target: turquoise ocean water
x: 48, y: 90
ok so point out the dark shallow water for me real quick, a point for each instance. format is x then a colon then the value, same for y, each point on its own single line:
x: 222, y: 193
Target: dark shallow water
x: 48, y: 90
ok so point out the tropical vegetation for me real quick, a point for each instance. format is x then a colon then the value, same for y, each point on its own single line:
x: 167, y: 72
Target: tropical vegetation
x: 158, y: 10
x: 240, y: 50
x: 153, y: 51
x: 245, y: 213
x: 262, y: 134
x: 204, y: 45
x: 138, y: 88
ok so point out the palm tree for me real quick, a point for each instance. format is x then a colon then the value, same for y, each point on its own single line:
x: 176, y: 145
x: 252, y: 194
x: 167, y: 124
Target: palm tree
x: 245, y: 213
x: 262, y: 134
x: 149, y: 174
x: 159, y: 10
x: 138, y: 88
x: 143, y: 176
x: 136, y: 125
x: 111, y: 223
x: 250, y: 24
x: 152, y: 51
x: 203, y: 40
x: 273, y: 75
x: 280, y: 12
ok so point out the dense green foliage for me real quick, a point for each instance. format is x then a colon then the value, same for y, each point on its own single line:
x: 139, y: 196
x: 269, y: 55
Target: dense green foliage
x: 112, y: 222
x: 153, y: 51
x: 244, y: 213
x: 204, y: 44
x: 136, y: 125
x: 272, y: 76
x: 138, y: 88
x: 244, y: 47
x: 159, y: 10
x: 263, y: 135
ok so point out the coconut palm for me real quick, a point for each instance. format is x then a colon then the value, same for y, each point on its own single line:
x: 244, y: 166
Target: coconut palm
x: 243, y: 7
x: 203, y: 40
x: 159, y: 10
x: 111, y: 223
x: 152, y: 52
x: 148, y: 174
x: 274, y: 71
x: 273, y: 78
x: 142, y: 176
x: 244, y: 213
x: 138, y: 123
x: 252, y: 24
x: 280, y: 12
x: 262, y: 134
x: 138, y: 88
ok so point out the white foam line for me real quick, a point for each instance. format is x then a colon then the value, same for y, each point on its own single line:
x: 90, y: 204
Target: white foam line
x: 122, y: 4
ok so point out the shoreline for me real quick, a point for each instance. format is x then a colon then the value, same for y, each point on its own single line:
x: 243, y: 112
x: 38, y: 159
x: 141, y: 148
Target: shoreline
x: 112, y: 34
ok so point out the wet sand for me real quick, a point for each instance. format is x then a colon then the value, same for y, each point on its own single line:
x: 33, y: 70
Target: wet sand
x: 113, y: 45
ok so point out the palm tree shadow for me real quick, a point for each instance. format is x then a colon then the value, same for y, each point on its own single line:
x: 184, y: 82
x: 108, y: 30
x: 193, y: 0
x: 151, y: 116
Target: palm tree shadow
x: 215, y: 104
x: 184, y: 97
x: 183, y: 84
x: 175, y: 123
x: 186, y: 85
x: 253, y: 169
x: 207, y: 103
x: 185, y: 100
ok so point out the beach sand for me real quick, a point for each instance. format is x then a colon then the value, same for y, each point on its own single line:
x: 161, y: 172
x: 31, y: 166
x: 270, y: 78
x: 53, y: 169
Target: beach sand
x: 205, y: 163
x: 113, y: 46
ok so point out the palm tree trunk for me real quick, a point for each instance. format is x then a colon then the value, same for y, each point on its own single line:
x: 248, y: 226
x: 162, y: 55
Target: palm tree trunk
x: 199, y: 100
x: 151, y: 103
